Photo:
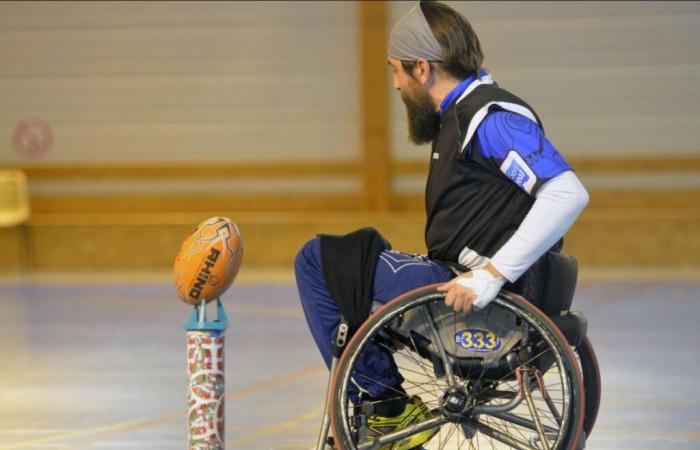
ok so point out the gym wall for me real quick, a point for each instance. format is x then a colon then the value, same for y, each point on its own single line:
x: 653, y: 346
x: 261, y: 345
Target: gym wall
x: 280, y: 115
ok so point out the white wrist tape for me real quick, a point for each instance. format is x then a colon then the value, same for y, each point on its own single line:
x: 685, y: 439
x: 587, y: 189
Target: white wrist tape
x: 471, y: 259
x: 484, y: 285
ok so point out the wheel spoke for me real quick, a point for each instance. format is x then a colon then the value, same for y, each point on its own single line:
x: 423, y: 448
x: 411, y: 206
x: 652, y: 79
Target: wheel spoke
x: 537, y: 413
x: 428, y: 317
x: 502, y: 437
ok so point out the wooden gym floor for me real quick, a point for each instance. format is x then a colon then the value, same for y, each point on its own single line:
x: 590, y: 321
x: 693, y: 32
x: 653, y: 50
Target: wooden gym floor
x: 99, y: 363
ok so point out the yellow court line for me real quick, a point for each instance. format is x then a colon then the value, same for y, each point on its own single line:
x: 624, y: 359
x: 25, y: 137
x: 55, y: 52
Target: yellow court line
x: 276, y: 428
x: 122, y: 427
x: 279, y: 381
x: 83, y: 433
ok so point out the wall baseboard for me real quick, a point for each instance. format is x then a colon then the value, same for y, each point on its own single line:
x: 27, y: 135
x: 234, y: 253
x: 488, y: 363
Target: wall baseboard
x: 634, y: 237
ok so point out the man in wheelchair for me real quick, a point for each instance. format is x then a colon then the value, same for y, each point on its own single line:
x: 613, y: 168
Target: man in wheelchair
x: 499, y: 197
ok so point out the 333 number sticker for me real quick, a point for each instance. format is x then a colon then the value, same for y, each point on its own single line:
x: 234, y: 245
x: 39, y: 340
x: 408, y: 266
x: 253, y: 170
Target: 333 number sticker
x: 478, y: 340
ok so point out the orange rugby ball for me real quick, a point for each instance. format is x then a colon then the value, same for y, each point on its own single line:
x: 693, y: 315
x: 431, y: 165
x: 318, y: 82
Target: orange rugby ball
x: 208, y: 260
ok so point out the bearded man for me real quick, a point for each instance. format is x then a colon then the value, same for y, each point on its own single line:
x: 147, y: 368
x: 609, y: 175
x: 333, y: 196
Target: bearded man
x: 498, y: 196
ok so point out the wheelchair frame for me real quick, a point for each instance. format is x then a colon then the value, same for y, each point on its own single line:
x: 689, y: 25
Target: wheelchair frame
x: 342, y: 339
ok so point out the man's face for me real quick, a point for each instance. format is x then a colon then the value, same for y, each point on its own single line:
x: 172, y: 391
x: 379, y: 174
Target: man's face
x: 423, y: 121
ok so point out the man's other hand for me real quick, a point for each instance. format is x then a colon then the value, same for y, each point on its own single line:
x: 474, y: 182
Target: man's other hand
x: 476, y: 288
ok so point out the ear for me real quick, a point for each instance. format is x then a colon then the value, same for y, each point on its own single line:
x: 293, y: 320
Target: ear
x: 422, y: 71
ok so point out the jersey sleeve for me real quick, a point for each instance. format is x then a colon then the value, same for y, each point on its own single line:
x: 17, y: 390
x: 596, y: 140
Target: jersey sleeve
x: 517, y: 147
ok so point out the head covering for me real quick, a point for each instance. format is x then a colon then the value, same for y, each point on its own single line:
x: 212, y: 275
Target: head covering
x: 411, y: 38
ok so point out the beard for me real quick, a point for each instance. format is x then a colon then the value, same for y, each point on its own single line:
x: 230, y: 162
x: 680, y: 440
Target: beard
x: 423, y: 121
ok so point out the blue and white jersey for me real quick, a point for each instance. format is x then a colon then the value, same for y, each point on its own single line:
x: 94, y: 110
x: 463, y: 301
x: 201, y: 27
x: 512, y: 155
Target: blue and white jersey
x: 488, y: 161
x: 518, y: 147
x: 511, y: 141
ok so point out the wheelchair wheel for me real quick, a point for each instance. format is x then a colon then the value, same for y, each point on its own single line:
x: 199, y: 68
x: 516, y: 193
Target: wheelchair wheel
x: 501, y: 377
x: 591, y: 383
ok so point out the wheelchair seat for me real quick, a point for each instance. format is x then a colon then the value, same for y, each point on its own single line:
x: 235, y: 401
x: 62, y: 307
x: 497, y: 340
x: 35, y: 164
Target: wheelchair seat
x: 561, y: 275
x: 558, y: 295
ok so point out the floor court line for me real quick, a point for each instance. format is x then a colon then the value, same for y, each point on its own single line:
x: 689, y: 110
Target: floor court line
x: 622, y: 314
x: 124, y: 427
x: 278, y: 427
x: 278, y: 381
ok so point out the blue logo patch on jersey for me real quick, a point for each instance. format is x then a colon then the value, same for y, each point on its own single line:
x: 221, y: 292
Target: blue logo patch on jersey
x: 517, y: 174
x: 517, y: 170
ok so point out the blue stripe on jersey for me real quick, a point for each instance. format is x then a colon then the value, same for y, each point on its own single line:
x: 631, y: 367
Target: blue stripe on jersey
x: 503, y: 132
x: 457, y: 91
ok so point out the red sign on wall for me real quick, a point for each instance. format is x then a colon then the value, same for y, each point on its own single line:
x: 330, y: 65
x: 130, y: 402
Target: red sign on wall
x: 32, y: 138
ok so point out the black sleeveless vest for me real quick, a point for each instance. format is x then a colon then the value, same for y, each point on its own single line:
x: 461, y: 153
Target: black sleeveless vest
x: 468, y: 200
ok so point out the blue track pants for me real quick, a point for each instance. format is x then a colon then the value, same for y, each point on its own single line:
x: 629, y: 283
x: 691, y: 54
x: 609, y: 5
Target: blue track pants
x: 396, y: 273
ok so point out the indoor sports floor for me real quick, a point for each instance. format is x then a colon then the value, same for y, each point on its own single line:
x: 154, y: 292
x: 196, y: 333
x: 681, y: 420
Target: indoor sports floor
x: 99, y: 363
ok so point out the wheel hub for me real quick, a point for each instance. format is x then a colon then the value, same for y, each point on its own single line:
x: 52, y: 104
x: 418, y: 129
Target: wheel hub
x: 455, y: 403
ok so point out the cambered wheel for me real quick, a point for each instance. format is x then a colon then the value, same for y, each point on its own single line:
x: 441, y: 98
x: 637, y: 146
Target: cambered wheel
x: 503, y: 377
x: 591, y: 383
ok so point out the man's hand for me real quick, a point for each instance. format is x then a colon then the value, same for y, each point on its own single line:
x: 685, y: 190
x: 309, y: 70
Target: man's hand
x: 476, y: 288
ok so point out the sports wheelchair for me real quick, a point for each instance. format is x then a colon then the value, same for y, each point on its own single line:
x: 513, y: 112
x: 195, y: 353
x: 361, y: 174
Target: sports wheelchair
x: 508, y: 376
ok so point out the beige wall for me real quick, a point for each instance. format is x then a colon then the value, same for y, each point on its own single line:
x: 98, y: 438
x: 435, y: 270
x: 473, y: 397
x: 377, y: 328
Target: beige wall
x: 605, y: 77
x: 181, y: 81
x: 128, y: 85
x: 212, y: 81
